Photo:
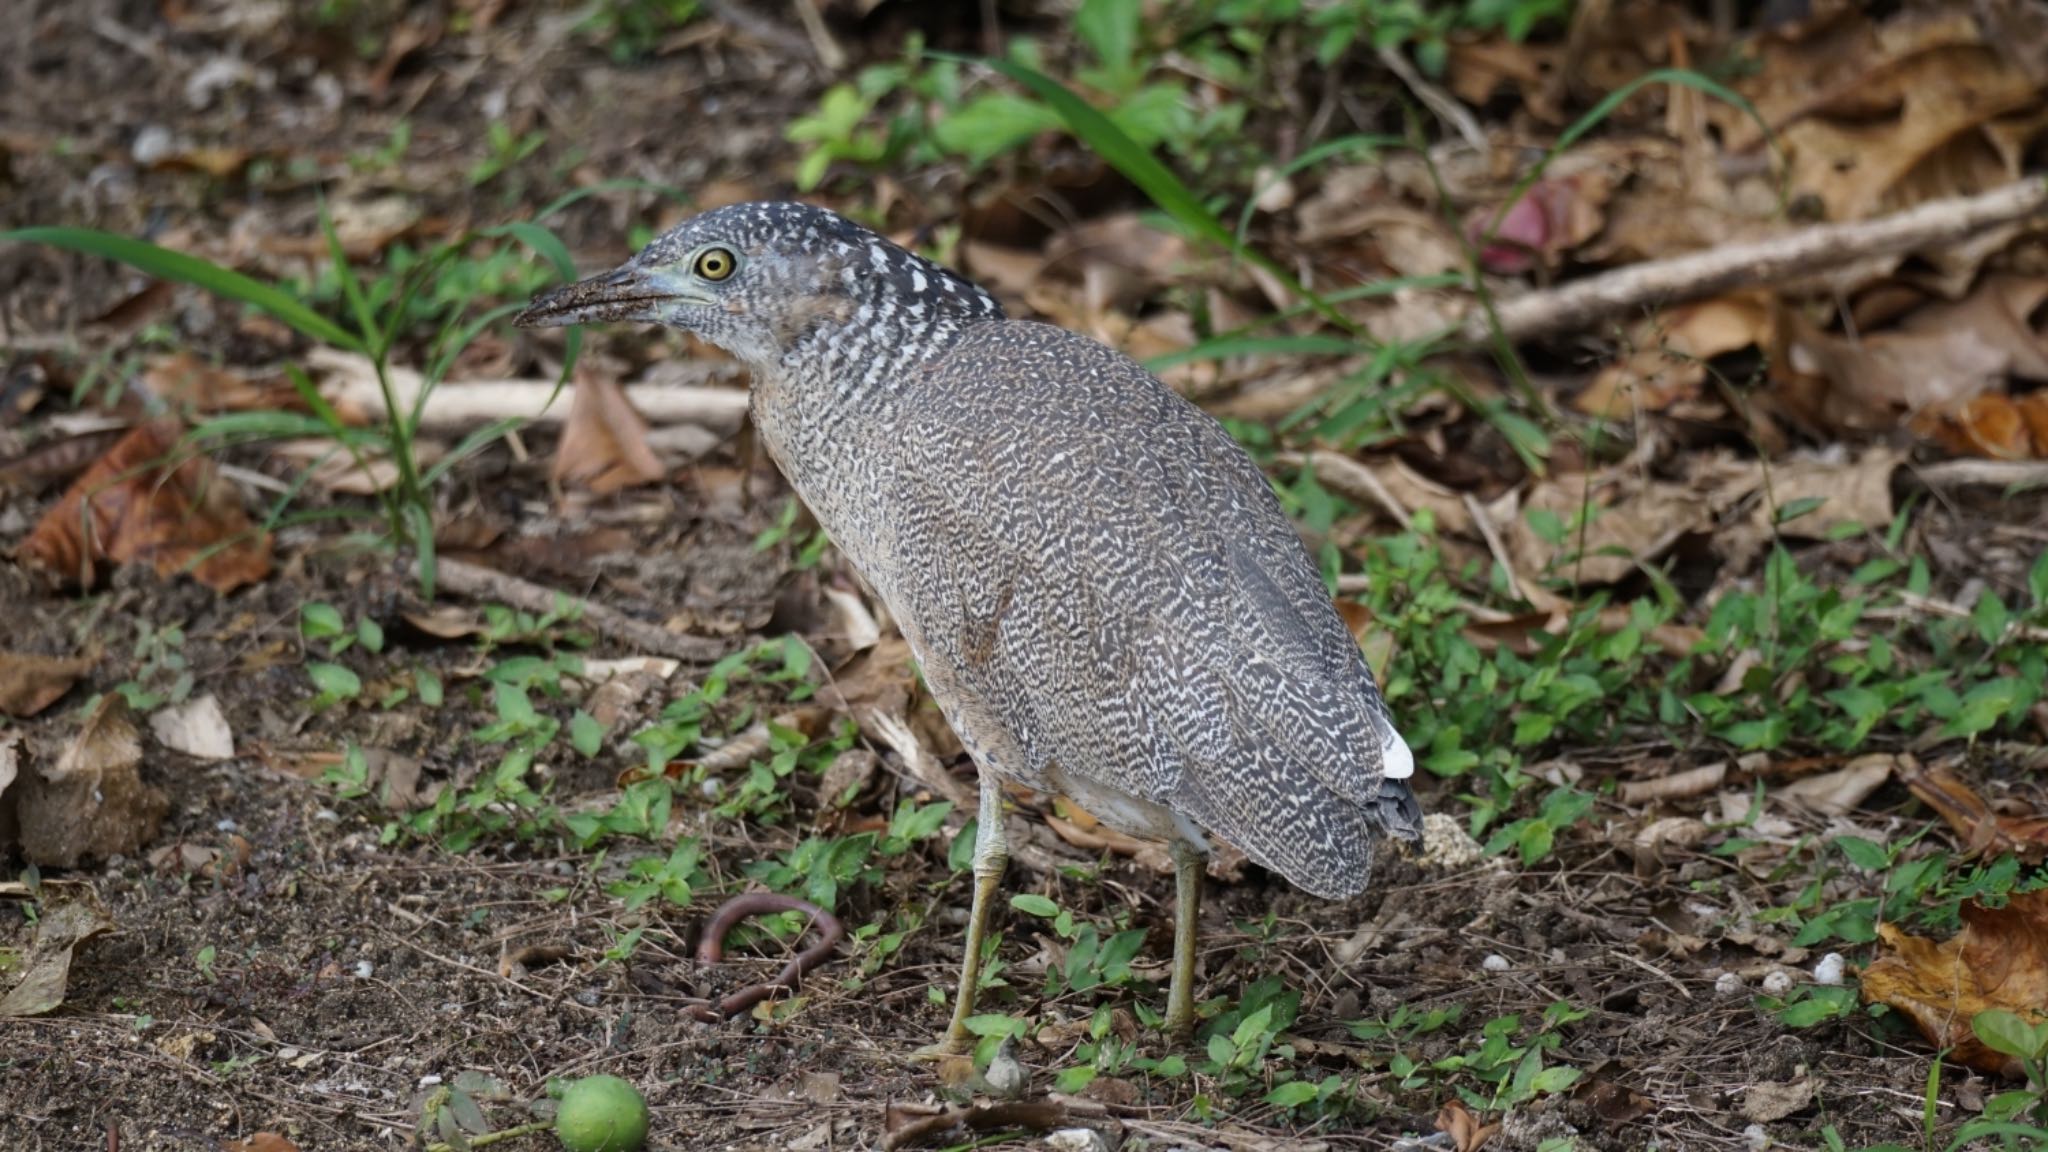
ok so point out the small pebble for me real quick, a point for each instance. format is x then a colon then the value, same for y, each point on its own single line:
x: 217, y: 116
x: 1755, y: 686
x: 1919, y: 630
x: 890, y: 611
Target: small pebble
x: 1755, y: 1136
x: 1076, y: 1140
x: 224, y: 826
x: 152, y: 144
x: 1778, y: 983
x: 326, y: 815
x: 1728, y: 984
x: 1829, y: 970
x: 429, y: 1080
x: 365, y: 969
x: 1495, y: 962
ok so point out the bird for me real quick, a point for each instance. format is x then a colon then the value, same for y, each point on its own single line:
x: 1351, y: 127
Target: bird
x: 1101, y: 590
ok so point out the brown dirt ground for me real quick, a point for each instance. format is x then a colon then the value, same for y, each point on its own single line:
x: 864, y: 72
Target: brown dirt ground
x: 348, y: 973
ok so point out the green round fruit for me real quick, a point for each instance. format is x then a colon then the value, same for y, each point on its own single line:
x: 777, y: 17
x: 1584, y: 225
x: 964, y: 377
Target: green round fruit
x: 601, y: 1114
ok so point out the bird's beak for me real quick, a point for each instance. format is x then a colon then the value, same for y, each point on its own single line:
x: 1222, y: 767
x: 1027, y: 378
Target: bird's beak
x: 625, y: 293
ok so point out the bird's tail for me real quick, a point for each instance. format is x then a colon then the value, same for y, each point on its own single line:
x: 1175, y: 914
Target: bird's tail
x: 1397, y: 811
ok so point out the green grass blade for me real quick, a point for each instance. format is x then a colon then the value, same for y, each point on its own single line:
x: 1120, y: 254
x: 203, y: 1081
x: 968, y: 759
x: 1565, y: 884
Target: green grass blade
x: 665, y: 191
x: 1223, y: 347
x: 351, y: 284
x: 1598, y: 114
x: 469, y: 446
x: 165, y: 264
x: 1153, y: 178
x: 1313, y: 156
x: 543, y: 242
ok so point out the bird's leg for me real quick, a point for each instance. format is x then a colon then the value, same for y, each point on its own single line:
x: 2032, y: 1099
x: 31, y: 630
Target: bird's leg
x: 991, y: 854
x: 1187, y: 885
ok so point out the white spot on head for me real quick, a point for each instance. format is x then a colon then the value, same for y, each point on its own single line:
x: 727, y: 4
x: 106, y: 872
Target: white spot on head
x: 917, y: 281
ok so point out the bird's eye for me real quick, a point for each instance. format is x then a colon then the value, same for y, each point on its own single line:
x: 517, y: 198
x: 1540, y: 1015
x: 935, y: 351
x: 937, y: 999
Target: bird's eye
x: 715, y: 263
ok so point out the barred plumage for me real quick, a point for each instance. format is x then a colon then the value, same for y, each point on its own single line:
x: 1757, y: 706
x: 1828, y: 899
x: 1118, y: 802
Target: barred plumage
x: 1102, y: 591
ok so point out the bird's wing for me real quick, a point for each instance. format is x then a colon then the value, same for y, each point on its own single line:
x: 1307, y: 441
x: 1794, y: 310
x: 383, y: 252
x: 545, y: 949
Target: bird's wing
x: 1131, y: 603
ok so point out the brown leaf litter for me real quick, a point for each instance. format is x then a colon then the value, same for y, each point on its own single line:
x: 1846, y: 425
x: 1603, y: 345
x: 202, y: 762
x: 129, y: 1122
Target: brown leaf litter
x: 1998, y: 960
x: 142, y: 503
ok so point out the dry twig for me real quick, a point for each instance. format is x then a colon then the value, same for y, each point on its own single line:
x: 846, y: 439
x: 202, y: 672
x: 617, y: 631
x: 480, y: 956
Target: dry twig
x: 1793, y: 255
x: 480, y: 583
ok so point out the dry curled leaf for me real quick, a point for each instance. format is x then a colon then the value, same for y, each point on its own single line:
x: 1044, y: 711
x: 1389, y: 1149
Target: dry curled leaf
x: 1464, y: 1128
x: 1998, y: 960
x: 59, y: 931
x: 604, y: 444
x: 1984, y: 832
x: 141, y: 503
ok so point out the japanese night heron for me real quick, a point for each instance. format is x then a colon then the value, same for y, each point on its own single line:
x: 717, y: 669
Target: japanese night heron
x: 1099, y: 585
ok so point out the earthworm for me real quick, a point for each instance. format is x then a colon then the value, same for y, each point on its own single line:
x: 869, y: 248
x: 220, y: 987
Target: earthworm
x: 711, y: 949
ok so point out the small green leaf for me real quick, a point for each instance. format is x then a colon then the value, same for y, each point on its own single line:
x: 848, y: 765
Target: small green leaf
x: 1865, y: 854
x: 1033, y: 904
x: 1794, y: 509
x: 320, y: 621
x: 1292, y: 1094
x: 995, y: 1024
x: 335, y: 681
x: 2006, y: 1032
x: 586, y: 735
x: 1072, y: 1080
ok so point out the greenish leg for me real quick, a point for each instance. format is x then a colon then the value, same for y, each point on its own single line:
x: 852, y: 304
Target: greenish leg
x: 991, y: 854
x: 1180, y: 995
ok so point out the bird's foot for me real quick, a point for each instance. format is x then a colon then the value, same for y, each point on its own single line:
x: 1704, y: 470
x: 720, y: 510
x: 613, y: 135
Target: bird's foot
x: 946, y: 1047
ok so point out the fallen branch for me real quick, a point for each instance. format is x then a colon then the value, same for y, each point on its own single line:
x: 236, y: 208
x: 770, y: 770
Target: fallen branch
x: 1793, y: 255
x: 352, y: 388
x: 480, y: 583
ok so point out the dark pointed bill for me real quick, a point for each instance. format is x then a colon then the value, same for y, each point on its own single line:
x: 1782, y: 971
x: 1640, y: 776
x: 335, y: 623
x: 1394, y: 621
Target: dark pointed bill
x: 621, y: 294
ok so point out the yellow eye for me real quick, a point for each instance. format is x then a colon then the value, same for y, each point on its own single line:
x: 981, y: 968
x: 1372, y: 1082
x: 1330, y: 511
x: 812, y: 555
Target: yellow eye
x: 715, y: 263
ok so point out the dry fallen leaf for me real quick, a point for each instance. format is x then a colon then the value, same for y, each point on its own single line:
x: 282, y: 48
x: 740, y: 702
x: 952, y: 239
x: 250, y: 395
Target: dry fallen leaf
x: 1465, y: 1130
x: 1942, y: 357
x: 1834, y: 793
x: 133, y: 505
x: 1768, y: 1103
x: 604, y: 443
x: 1984, y: 832
x: 1998, y: 960
x: 1624, y: 528
x: 59, y: 931
x: 198, y: 728
x: 92, y: 802
x: 30, y: 683
x: 189, y: 382
x: 1669, y: 354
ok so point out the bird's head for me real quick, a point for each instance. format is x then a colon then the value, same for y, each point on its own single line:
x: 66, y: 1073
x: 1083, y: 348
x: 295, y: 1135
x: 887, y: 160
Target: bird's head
x: 768, y: 280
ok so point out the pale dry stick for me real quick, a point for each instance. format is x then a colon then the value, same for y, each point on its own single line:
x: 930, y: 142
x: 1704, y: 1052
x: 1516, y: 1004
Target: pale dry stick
x: 480, y: 583
x: 1436, y: 99
x: 1910, y: 605
x: 1484, y: 523
x: 1982, y: 474
x: 1583, y: 303
x: 830, y: 54
x: 1653, y: 970
x: 454, y: 406
x: 1349, y: 478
